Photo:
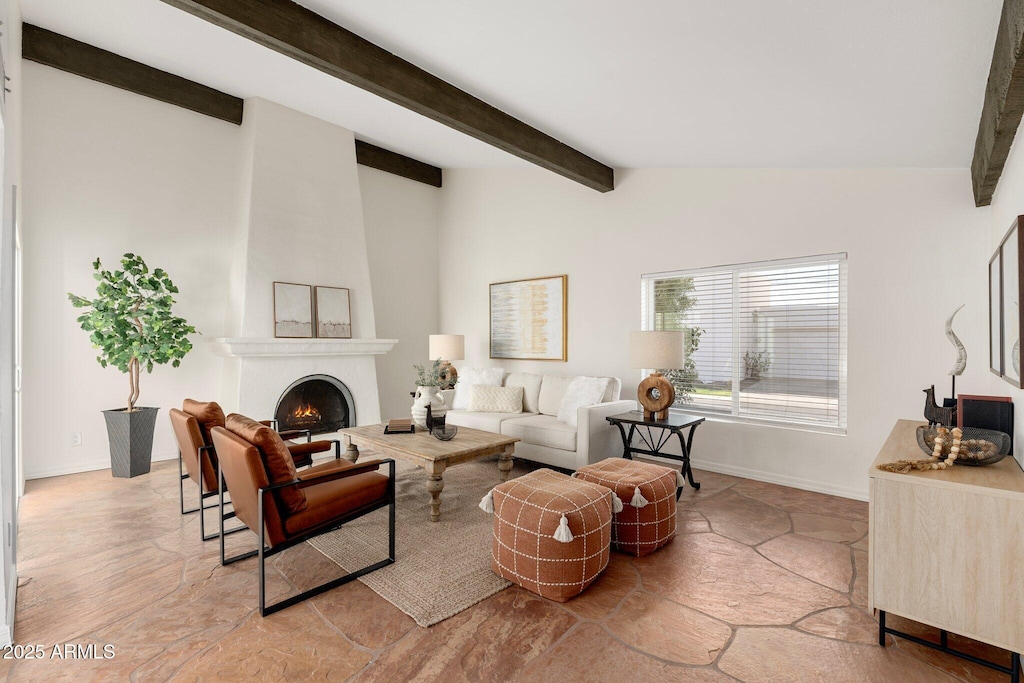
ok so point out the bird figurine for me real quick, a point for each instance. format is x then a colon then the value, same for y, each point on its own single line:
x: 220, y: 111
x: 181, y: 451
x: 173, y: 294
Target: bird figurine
x: 934, y: 414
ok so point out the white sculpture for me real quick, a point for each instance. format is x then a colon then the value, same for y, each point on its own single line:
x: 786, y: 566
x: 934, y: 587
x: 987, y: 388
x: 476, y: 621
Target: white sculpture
x: 961, y: 352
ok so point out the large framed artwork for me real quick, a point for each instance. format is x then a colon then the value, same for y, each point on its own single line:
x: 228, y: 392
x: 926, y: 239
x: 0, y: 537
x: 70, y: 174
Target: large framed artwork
x: 333, y: 313
x: 293, y: 311
x: 529, y: 319
x: 1006, y: 292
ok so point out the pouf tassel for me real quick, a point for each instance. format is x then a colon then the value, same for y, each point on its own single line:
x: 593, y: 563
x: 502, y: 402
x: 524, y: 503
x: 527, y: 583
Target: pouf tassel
x: 680, y: 482
x: 616, y: 503
x: 563, y: 534
x: 487, y: 502
x: 638, y: 499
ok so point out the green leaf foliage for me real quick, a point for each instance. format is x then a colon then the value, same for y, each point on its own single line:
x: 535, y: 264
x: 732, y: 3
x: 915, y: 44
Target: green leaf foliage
x: 131, y: 316
x: 429, y: 377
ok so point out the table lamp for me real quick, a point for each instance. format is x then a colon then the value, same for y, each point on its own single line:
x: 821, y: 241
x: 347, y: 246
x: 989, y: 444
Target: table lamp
x: 661, y: 350
x: 448, y: 347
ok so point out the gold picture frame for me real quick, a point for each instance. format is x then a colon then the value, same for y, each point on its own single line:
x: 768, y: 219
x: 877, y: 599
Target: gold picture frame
x: 529, y: 319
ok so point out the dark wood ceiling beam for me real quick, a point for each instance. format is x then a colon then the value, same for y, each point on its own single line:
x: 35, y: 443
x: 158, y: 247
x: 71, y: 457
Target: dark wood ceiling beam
x: 67, y: 54
x: 397, y: 164
x: 309, y: 38
x: 1004, y: 104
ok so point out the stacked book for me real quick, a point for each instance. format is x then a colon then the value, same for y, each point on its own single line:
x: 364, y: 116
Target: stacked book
x: 400, y: 427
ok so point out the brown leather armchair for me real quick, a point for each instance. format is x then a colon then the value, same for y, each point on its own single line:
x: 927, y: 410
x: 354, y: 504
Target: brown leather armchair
x: 285, y: 508
x: 192, y: 425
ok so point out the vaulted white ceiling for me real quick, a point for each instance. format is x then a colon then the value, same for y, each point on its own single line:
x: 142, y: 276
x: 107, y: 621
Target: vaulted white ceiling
x: 648, y: 83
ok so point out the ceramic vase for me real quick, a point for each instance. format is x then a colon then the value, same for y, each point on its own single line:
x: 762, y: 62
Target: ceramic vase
x: 427, y: 396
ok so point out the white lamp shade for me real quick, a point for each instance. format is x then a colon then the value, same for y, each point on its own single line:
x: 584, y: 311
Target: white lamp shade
x: 656, y: 350
x: 447, y: 346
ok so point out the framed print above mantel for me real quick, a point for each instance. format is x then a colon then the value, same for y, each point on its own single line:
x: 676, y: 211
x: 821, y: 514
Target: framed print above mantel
x: 293, y: 311
x: 333, y: 313
x: 529, y: 319
x: 1005, y: 294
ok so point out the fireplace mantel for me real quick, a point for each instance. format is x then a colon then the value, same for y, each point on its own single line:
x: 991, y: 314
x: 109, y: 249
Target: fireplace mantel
x: 249, y: 347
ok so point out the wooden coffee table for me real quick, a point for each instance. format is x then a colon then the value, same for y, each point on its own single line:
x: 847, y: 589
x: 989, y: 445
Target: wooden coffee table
x: 433, y: 455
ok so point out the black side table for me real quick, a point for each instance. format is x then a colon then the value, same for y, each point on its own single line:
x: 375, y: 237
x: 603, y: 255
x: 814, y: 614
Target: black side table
x: 675, y: 424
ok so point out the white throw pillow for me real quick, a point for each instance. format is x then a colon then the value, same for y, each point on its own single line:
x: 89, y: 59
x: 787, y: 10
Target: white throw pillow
x: 484, y: 398
x: 582, y: 391
x: 469, y: 377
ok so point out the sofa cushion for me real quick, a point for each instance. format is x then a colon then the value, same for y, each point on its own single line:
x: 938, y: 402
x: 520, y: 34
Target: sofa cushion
x: 207, y: 413
x: 276, y: 458
x: 330, y: 500
x: 530, y: 382
x: 613, y: 390
x: 472, y: 376
x: 488, y: 422
x: 552, y: 389
x: 488, y: 399
x: 541, y: 430
x: 582, y: 391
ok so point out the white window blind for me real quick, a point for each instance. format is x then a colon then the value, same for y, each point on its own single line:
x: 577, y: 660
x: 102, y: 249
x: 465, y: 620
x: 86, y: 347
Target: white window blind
x: 766, y: 341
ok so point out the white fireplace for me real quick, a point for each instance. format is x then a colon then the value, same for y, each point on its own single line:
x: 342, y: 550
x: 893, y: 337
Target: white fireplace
x: 302, y: 223
x: 267, y: 366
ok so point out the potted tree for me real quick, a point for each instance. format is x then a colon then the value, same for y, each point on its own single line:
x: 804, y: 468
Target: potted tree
x: 131, y: 323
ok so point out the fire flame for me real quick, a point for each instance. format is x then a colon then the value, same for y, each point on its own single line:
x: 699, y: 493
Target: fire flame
x: 306, y: 411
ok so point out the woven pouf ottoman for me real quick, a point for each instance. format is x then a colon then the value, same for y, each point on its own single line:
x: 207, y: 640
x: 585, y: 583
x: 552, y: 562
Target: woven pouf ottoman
x: 551, y: 532
x: 648, y: 493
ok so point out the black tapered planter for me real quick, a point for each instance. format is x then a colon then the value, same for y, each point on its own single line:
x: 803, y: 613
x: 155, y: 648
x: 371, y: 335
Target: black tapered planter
x: 131, y: 440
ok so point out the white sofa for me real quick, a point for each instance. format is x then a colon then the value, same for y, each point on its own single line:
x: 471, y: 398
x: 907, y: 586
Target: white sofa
x: 542, y: 437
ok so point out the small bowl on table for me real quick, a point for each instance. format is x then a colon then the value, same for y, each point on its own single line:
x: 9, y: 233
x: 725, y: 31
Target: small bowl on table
x: 445, y: 432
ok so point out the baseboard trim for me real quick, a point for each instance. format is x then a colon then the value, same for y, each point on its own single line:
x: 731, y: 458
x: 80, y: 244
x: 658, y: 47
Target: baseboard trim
x: 86, y: 466
x: 7, y: 629
x: 773, y: 478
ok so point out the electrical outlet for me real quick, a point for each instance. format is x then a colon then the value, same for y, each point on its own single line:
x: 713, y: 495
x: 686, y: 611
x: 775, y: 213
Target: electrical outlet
x: 76, y: 438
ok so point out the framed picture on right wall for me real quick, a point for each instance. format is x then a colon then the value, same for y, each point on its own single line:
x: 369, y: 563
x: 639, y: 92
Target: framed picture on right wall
x: 1005, y: 294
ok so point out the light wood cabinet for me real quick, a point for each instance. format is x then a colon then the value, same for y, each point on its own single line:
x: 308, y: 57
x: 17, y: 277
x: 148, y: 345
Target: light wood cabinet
x: 947, y: 546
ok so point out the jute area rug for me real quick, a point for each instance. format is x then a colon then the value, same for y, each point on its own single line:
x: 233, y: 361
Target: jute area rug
x: 441, y: 568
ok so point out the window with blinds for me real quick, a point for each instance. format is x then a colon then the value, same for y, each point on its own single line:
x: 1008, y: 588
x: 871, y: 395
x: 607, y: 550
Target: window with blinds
x: 764, y: 341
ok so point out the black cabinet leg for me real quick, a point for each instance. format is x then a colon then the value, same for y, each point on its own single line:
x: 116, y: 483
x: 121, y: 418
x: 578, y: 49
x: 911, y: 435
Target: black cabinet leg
x: 881, y: 627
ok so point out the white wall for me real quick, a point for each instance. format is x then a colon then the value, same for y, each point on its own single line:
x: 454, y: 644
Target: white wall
x: 10, y: 13
x: 917, y: 249
x: 402, y: 232
x: 1007, y: 205
x: 107, y: 172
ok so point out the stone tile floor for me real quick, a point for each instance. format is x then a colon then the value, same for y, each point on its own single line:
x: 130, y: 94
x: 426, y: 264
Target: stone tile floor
x: 763, y: 583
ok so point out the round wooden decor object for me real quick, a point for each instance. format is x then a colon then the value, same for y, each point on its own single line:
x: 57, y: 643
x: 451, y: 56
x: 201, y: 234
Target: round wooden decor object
x: 448, y: 375
x: 656, y: 393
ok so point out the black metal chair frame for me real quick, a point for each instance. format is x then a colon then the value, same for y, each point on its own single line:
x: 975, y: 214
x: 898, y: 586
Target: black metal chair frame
x: 182, y: 475
x: 204, y: 452
x: 263, y: 552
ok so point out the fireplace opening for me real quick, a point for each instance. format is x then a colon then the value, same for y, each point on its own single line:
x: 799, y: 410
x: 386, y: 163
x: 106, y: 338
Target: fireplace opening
x: 319, y: 403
